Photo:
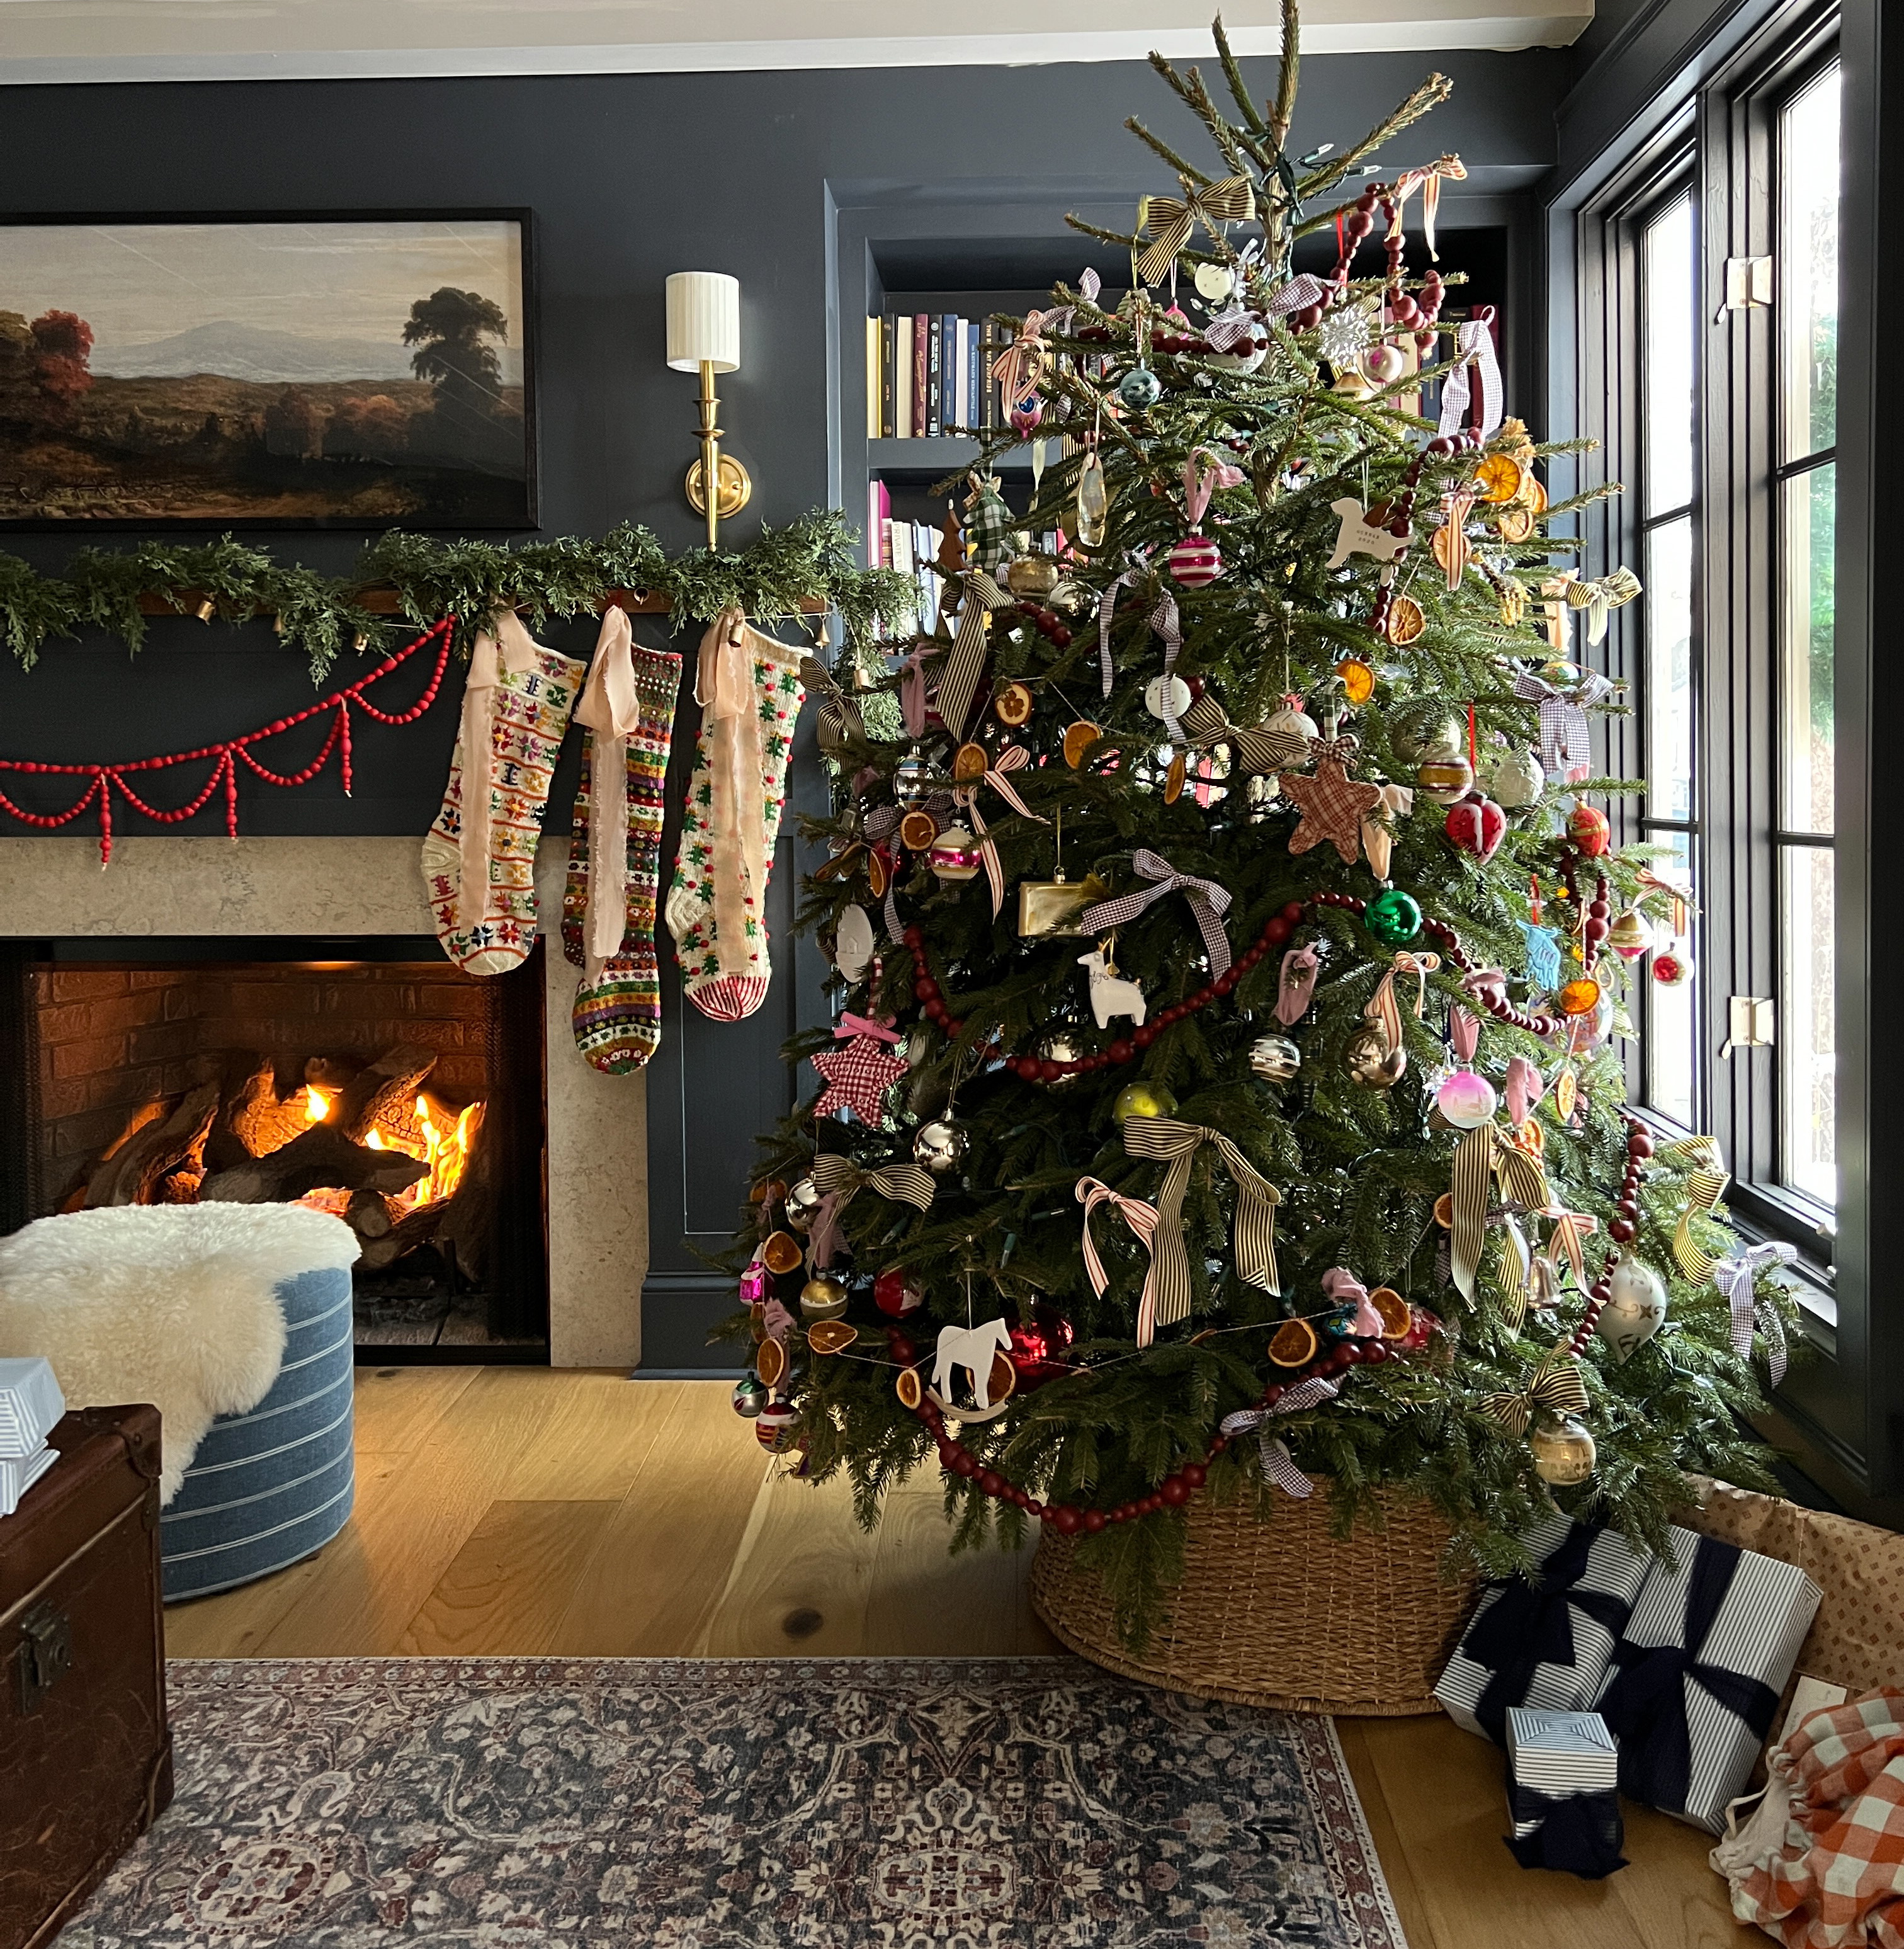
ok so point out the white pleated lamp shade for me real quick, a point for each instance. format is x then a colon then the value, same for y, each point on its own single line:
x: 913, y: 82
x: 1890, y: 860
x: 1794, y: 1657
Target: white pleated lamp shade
x: 704, y: 321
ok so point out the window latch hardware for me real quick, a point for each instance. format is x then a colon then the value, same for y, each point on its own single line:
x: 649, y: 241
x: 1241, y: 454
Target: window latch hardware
x: 1751, y: 1023
x: 1748, y: 283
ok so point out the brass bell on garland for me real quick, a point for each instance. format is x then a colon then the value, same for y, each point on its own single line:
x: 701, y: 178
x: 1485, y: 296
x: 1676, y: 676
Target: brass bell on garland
x: 1564, y: 1451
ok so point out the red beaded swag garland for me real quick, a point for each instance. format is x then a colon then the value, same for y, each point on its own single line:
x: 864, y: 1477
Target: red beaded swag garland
x: 107, y: 778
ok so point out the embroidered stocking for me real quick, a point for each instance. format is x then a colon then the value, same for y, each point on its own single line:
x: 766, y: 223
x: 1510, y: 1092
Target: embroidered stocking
x: 479, y: 860
x: 749, y: 688
x: 627, y: 711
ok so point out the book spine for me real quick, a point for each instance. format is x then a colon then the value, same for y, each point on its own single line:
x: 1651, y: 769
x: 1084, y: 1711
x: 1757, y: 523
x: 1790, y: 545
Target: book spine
x: 935, y: 404
x: 886, y: 423
x: 903, y: 378
x: 872, y: 378
x: 948, y: 375
x: 988, y: 352
x: 920, y: 424
x: 974, y: 369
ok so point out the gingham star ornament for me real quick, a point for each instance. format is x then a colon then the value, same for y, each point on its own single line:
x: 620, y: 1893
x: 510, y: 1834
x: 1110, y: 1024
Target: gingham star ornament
x: 858, y: 1072
x: 1333, y: 805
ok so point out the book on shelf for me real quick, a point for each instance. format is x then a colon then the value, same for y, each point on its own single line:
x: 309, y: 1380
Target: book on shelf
x: 929, y: 376
x: 879, y: 522
x: 872, y: 378
x: 921, y: 380
x: 935, y: 412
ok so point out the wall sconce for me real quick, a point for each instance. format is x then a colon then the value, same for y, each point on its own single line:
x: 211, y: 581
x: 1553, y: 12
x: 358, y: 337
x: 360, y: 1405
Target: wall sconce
x: 704, y: 335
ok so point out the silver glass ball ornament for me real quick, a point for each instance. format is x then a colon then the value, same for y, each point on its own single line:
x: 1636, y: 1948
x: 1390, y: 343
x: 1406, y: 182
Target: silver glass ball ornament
x: 750, y: 1398
x: 803, y: 1203
x: 1139, y: 388
x: 1564, y: 1451
x: 1274, y: 1058
x: 1635, y: 1310
x: 1420, y: 730
x: 1514, y: 779
x: 941, y: 1145
x: 910, y: 777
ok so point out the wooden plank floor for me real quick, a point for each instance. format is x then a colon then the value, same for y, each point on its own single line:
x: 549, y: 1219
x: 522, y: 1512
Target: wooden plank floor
x: 514, y: 1510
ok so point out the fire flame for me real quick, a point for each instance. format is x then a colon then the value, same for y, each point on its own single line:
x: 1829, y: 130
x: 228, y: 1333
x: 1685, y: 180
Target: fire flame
x: 446, y: 1151
x: 317, y: 1104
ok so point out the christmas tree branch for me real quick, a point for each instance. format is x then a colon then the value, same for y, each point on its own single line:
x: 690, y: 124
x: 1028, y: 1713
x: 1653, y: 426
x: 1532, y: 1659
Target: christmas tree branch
x: 1252, y: 121
x: 1289, y: 65
x: 1187, y: 170
x: 1420, y: 100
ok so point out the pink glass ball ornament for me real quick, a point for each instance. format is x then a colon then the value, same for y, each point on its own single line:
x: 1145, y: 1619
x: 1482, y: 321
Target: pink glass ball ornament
x: 1466, y: 1100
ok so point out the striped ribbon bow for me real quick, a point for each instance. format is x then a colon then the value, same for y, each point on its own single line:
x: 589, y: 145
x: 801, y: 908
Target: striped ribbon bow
x: 1566, y: 746
x: 838, y: 1179
x: 1738, y: 1278
x: 1569, y: 1237
x: 1378, y: 825
x: 1020, y: 367
x: 1012, y: 758
x: 1481, y: 1157
x: 1474, y: 361
x: 1278, y: 1464
x: 1598, y: 596
x: 959, y: 684
x: 1206, y: 723
x: 1704, y: 1188
x: 1208, y: 901
x: 1427, y: 179
x: 1142, y: 1218
x: 1555, y: 1384
x: 1384, y: 1008
x: 839, y: 714
x: 1166, y: 1141
x: 1170, y: 219
x: 1163, y: 620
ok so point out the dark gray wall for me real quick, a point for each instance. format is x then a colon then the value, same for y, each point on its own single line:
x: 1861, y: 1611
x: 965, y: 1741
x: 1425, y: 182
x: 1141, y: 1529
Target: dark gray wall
x: 630, y: 177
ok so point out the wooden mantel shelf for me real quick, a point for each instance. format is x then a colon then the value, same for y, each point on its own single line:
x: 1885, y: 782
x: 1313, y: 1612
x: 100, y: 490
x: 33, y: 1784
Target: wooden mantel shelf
x: 383, y: 602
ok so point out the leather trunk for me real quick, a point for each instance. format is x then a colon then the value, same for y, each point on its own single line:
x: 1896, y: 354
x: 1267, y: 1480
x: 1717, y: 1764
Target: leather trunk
x: 86, y: 1753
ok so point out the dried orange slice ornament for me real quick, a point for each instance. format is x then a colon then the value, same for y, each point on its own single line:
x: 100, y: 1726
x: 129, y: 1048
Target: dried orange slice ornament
x: 782, y: 1252
x: 1004, y: 1377
x: 917, y: 830
x: 1533, y: 494
x: 1012, y: 704
x: 969, y: 763
x: 1580, y: 996
x: 1293, y: 1344
x: 1174, y: 778
x: 770, y: 1363
x: 1444, y: 1210
x: 1079, y: 738
x: 1499, y: 478
x: 831, y: 1336
x: 1405, y: 620
x: 875, y: 875
x: 1515, y: 524
x: 1567, y: 1093
x: 1396, y: 1319
x: 1357, y: 680
x: 907, y: 1387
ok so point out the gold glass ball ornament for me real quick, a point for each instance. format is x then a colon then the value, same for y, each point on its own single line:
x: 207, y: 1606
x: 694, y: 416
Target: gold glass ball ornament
x: 1032, y: 575
x: 941, y: 1145
x: 1143, y: 1099
x: 1447, y: 778
x: 823, y: 1296
x: 1564, y: 1451
x: 1370, y: 1061
x: 803, y: 1203
x: 1274, y: 1058
x: 1635, y: 1310
x: 1419, y: 730
x: 1514, y: 779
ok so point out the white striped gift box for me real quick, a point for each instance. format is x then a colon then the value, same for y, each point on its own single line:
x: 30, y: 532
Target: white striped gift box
x: 31, y: 1405
x: 1561, y: 1752
x: 19, y: 1475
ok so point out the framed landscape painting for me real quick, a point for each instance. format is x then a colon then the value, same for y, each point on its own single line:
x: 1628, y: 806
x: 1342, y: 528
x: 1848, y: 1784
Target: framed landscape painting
x: 267, y: 371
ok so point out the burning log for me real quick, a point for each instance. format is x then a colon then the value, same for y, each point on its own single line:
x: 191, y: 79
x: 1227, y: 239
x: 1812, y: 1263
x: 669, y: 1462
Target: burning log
x: 319, y: 1158
x: 382, y: 1093
x: 368, y: 1214
x: 128, y: 1176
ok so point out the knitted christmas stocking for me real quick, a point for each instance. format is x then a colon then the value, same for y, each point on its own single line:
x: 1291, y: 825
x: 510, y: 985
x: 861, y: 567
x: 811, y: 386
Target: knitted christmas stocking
x: 608, y: 904
x: 749, y: 688
x: 479, y: 860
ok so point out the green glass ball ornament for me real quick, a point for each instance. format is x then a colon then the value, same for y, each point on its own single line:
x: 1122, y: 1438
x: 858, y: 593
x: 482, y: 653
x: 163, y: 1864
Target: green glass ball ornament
x: 1394, y: 918
x: 750, y: 1398
x: 1143, y: 1099
x: 1140, y: 388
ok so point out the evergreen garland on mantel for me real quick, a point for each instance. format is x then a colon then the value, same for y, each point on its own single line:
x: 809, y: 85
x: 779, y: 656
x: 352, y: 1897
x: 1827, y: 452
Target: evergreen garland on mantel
x: 405, y: 582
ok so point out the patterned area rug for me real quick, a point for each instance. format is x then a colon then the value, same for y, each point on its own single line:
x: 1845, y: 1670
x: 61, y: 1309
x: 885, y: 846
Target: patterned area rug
x: 769, y: 1804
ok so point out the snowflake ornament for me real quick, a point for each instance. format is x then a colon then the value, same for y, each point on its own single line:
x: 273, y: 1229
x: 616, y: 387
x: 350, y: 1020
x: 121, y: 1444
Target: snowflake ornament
x: 1345, y: 333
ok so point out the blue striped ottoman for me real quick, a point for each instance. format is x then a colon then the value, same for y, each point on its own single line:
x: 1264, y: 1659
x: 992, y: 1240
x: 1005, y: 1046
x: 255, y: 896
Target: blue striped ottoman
x: 270, y: 1487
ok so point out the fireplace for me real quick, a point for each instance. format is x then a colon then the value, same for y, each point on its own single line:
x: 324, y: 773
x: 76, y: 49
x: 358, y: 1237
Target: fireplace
x: 365, y: 1076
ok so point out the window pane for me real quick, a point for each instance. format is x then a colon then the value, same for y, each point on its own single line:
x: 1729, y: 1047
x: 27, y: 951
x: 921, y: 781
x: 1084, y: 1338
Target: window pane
x: 1669, y: 669
x: 1666, y: 307
x: 1808, y: 1033
x: 1670, y: 1013
x: 1810, y: 519
x: 1808, y: 267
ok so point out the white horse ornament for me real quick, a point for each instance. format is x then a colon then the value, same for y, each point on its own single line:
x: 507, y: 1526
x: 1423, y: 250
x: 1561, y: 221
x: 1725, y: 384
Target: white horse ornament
x: 974, y: 1348
x: 1110, y: 994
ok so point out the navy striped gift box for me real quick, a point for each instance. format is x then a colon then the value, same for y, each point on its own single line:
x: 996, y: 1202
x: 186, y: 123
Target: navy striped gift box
x: 270, y: 1487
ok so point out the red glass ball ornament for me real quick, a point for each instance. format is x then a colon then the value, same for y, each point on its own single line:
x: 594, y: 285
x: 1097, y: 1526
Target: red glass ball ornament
x: 1477, y: 825
x: 1587, y: 827
x: 1672, y: 969
x: 1195, y: 561
x: 897, y: 1293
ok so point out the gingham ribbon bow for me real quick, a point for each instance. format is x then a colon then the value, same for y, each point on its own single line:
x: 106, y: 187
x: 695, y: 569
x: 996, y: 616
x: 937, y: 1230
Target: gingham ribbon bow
x: 1020, y: 366
x: 1164, y: 1140
x: 1207, y: 723
x: 1297, y: 295
x: 1704, y: 1188
x: 1170, y: 220
x: 1142, y: 1218
x: 1474, y: 360
x: 1234, y: 325
x: 1565, y: 744
x: 959, y: 684
x: 1555, y: 1384
x: 1163, y: 620
x: 1208, y: 901
x: 838, y: 1179
x: 1738, y: 1278
x: 1012, y: 758
x: 1276, y: 1461
x: 1598, y: 597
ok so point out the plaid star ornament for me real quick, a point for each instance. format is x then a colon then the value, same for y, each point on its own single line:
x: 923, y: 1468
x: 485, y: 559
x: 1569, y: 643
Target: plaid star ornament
x: 1333, y: 805
x: 858, y: 1074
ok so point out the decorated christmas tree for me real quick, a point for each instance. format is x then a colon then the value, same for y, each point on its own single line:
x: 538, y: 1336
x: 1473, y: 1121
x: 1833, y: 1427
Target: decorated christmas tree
x: 1236, y: 975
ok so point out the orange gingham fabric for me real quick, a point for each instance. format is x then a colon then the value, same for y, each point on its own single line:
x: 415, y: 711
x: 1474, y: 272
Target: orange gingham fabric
x: 1839, y: 1882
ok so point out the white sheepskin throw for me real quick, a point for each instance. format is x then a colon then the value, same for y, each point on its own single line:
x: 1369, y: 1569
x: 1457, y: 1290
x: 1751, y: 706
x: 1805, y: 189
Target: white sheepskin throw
x: 170, y: 1303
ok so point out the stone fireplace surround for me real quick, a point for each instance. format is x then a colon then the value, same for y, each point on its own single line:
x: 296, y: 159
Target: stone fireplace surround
x: 597, y: 1125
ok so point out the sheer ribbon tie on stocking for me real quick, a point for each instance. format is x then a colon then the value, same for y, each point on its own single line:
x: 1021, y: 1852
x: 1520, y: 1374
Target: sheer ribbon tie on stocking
x: 505, y: 648
x: 611, y: 709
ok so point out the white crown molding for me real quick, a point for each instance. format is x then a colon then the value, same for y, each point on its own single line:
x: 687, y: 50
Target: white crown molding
x: 63, y: 41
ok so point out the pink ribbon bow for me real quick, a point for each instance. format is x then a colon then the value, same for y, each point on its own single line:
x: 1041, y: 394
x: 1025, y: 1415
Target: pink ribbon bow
x: 912, y: 688
x: 1142, y: 1218
x: 1012, y: 758
x: 851, y: 1025
x: 1198, y: 485
x: 1341, y: 1286
x: 1524, y: 1088
x: 1465, y: 1032
x: 1021, y: 364
x: 1300, y: 967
